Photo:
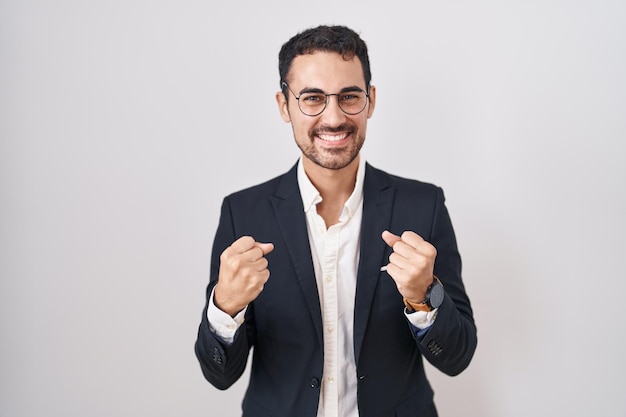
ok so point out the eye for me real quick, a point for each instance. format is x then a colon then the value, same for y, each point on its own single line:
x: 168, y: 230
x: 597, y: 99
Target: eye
x: 313, y: 99
x: 350, y: 97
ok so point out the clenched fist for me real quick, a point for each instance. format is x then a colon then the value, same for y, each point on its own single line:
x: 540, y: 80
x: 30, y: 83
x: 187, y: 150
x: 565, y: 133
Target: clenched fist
x: 411, y: 265
x: 243, y: 273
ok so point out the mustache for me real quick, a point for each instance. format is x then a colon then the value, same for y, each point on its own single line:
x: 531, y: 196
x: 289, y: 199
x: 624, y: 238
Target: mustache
x: 334, y: 129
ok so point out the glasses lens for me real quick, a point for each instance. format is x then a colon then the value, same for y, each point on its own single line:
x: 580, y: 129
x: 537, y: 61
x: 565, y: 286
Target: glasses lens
x: 352, y: 102
x: 312, y: 104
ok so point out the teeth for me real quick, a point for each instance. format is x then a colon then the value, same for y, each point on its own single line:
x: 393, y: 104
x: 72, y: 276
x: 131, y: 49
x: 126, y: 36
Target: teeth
x: 333, y: 138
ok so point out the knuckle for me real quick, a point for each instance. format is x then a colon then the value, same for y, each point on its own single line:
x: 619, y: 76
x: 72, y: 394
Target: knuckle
x: 246, y: 240
x: 225, y: 255
x: 235, y: 263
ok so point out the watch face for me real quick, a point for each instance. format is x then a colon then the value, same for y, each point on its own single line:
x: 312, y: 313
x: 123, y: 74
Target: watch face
x: 436, y: 295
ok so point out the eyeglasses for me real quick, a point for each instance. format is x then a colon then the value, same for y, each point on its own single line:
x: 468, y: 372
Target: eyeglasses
x: 312, y: 103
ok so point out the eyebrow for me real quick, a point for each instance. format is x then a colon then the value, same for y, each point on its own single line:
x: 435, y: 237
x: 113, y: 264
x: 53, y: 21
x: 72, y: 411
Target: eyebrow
x: 320, y: 91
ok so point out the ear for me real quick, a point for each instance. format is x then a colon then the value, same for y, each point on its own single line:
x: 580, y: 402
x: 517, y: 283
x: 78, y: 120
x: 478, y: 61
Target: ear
x: 283, y: 107
x: 372, y: 101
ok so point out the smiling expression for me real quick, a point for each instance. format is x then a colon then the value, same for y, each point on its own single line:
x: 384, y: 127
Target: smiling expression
x: 332, y: 139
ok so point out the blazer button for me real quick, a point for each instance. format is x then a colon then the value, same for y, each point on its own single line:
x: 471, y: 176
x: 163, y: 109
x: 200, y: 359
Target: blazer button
x: 434, y: 348
x: 315, y: 382
x: 217, y: 357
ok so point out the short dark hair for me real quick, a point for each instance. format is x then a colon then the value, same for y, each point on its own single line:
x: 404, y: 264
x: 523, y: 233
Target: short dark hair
x: 340, y: 39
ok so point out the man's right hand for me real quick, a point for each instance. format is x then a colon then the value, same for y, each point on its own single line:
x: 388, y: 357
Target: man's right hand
x: 243, y: 273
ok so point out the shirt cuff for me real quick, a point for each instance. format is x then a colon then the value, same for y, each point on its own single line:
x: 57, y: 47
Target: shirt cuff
x: 421, y: 319
x: 222, y: 324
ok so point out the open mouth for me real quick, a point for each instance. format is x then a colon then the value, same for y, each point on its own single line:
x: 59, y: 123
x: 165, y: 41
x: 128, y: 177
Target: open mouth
x: 337, y: 137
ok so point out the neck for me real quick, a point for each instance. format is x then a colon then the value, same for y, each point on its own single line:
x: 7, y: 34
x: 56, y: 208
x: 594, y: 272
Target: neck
x: 334, y: 185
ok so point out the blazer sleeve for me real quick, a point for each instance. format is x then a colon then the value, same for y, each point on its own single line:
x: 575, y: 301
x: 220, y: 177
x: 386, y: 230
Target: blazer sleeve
x: 223, y: 364
x: 451, y: 341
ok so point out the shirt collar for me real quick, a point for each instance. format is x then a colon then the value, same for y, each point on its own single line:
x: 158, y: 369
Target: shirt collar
x: 311, y: 197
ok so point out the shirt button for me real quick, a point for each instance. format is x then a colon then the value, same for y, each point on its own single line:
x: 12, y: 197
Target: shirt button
x: 330, y: 329
x: 330, y: 379
x: 329, y: 278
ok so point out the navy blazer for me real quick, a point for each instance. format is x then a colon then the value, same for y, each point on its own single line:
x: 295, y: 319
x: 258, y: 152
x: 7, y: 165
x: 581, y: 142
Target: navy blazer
x: 284, y: 324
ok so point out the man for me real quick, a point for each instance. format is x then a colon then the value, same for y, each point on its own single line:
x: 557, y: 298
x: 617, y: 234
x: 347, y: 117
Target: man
x: 341, y: 277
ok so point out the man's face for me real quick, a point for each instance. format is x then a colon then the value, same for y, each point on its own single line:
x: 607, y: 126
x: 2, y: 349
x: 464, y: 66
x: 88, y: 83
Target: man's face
x: 333, y: 138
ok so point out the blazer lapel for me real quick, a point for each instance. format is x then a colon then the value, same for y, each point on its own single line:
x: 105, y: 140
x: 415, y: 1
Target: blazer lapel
x: 287, y: 203
x: 377, y: 202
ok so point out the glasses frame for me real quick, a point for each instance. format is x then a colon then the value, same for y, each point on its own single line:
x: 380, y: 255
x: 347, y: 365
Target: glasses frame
x: 326, y: 96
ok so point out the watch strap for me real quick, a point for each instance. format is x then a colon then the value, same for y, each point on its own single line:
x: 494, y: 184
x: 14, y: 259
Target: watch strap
x: 412, y: 306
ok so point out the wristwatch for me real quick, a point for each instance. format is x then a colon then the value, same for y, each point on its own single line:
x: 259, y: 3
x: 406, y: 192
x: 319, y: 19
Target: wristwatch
x: 434, y: 298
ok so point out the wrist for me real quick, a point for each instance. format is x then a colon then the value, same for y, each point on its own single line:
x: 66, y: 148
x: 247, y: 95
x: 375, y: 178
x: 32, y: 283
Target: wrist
x: 225, y: 305
x: 432, y: 300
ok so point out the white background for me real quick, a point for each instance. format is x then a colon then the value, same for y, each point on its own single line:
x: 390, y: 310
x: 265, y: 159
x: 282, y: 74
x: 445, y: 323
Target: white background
x: 123, y: 124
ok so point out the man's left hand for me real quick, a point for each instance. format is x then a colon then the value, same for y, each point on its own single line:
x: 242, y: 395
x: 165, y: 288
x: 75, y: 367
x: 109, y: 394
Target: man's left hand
x: 411, y: 264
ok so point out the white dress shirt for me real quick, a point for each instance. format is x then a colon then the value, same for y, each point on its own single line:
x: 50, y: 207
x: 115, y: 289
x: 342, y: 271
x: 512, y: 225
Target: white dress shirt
x: 335, y: 253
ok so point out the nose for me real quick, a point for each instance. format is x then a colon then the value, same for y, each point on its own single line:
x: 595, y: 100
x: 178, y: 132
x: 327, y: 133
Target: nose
x: 332, y: 114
